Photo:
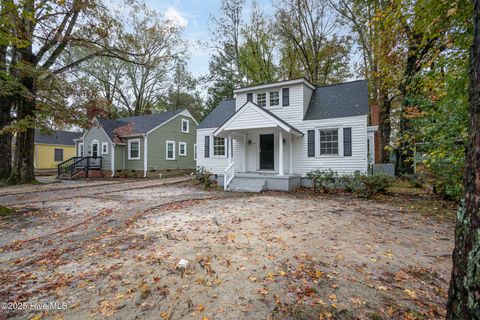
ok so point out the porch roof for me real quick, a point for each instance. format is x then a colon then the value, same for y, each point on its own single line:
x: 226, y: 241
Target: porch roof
x: 251, y: 116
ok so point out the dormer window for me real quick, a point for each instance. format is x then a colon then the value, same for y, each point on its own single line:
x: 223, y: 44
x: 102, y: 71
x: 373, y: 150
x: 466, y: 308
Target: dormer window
x: 262, y: 99
x: 274, y: 99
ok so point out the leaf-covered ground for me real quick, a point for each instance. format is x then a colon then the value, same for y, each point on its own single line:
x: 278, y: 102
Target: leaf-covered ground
x: 112, y: 249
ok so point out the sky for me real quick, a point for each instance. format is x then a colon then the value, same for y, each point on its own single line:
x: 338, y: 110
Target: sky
x: 194, y: 17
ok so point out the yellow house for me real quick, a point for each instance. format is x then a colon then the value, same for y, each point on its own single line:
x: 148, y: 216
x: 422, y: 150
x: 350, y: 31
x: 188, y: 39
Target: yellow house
x: 50, y: 150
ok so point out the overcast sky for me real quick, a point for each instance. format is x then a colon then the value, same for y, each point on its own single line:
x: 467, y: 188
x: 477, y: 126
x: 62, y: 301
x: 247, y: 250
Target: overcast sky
x: 194, y: 16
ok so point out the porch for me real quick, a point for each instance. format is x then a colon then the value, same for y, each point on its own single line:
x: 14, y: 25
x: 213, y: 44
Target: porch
x: 259, y: 148
x: 257, y: 182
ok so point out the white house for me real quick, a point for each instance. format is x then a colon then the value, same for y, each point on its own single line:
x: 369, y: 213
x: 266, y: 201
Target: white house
x: 271, y: 135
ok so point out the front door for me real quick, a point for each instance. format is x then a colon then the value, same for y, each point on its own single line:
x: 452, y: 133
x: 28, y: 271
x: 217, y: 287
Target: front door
x: 95, y: 162
x: 266, y: 152
x: 95, y: 150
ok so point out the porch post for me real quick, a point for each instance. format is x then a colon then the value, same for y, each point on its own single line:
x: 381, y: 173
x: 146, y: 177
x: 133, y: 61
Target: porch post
x: 280, y: 153
x: 229, y: 148
x: 290, y: 162
x: 245, y: 153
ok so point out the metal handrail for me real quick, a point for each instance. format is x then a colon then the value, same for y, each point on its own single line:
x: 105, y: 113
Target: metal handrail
x: 77, y: 164
x: 229, y: 174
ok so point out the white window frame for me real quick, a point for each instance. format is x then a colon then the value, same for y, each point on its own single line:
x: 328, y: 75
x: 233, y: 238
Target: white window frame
x: 277, y: 98
x: 339, y: 142
x: 130, y: 148
x: 188, y: 125
x: 80, y: 149
x: 224, y: 147
x: 180, y: 144
x: 258, y: 103
x: 104, y: 144
x: 195, y: 151
x: 166, y: 150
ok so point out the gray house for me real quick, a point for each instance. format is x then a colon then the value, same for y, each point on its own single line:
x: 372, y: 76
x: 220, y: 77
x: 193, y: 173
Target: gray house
x: 145, y: 145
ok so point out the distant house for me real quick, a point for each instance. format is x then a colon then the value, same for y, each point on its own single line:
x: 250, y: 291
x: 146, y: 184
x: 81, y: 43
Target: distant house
x: 52, y: 149
x: 272, y: 134
x: 146, y: 145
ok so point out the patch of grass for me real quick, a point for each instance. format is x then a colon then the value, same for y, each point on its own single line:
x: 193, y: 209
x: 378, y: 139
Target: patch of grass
x: 6, y: 211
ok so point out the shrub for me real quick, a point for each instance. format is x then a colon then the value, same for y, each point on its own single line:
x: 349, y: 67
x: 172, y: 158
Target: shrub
x: 323, y: 180
x: 352, y: 182
x: 202, y: 175
x: 376, y: 183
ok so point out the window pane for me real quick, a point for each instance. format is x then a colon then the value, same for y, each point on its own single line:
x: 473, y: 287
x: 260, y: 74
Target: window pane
x: 329, y: 142
x: 58, y: 155
x: 262, y: 99
x: 170, y: 154
x: 274, y: 98
x: 134, y: 150
x: 218, y: 146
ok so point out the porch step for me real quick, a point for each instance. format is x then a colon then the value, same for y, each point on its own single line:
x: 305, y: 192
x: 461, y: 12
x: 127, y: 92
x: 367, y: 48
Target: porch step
x: 247, y: 185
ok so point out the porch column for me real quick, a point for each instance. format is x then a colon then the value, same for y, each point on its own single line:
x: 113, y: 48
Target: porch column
x: 245, y: 153
x: 229, y: 148
x: 290, y: 162
x: 280, y: 153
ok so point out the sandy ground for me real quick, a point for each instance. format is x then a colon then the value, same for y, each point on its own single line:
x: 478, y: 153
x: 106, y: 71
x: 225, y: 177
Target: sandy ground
x: 111, y: 249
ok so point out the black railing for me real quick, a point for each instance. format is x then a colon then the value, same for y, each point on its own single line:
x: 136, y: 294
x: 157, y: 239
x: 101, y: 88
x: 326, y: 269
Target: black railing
x: 74, y: 165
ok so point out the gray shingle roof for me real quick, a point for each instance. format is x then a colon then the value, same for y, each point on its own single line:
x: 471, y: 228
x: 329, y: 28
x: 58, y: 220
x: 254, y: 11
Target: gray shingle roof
x: 58, y: 137
x: 339, y: 100
x: 145, y: 123
x: 110, y: 125
x: 219, y: 115
x: 141, y: 124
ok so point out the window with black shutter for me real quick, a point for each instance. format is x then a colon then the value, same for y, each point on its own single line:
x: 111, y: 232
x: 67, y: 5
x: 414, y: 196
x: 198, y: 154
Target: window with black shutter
x: 249, y: 97
x: 285, y: 97
x: 347, y: 142
x: 311, y: 143
x: 207, y: 147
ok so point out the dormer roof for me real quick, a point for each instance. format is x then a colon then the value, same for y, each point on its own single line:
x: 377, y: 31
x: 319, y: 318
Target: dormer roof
x: 282, y: 83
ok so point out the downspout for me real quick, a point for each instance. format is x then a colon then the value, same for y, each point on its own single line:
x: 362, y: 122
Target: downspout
x: 145, y: 142
x: 113, y: 160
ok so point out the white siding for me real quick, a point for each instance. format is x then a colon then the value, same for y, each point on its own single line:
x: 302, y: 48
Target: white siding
x: 300, y: 96
x: 294, y: 111
x: 217, y: 164
x: 358, y: 161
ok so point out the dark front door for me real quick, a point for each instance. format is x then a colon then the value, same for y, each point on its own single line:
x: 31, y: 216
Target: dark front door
x: 266, y: 151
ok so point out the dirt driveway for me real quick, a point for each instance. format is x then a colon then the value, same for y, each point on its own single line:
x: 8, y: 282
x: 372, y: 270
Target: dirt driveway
x: 111, y: 248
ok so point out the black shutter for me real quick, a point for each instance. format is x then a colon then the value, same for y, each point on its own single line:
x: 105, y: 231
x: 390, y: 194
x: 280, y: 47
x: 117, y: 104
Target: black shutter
x: 311, y: 143
x: 347, y: 142
x: 207, y: 147
x: 250, y: 97
x: 285, y: 97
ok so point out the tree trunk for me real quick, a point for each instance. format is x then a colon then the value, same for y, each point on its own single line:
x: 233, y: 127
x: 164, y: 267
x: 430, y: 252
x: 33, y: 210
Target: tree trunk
x: 464, y: 293
x: 384, y: 127
x: 5, y: 140
x: 23, y: 171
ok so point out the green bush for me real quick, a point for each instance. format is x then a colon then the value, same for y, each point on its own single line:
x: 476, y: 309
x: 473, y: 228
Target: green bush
x: 203, y: 176
x: 352, y: 182
x: 376, y: 183
x: 364, y: 185
x: 324, y: 180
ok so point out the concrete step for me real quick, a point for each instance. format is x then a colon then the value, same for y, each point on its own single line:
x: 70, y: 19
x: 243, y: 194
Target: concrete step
x: 247, y: 185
